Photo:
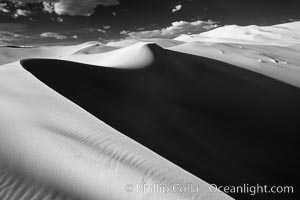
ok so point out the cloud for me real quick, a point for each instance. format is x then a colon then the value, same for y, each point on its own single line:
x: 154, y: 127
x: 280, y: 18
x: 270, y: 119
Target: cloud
x: 59, y: 19
x: 12, y: 32
x: 69, y: 7
x: 21, y: 12
x: 80, y: 7
x: 6, y: 38
x: 124, y: 32
x: 3, y: 8
x: 48, y: 7
x: 16, y: 12
x: 57, y: 36
x: 101, y: 30
x: 177, y: 8
x: 177, y: 28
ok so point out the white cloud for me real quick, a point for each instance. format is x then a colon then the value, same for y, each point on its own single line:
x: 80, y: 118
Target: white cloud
x: 59, y: 19
x: 56, y: 19
x: 53, y: 35
x: 3, y: 8
x: 124, y: 32
x: 177, y: 28
x: 177, y: 8
x: 48, y: 7
x: 70, y: 7
x: 21, y: 12
x: 18, y: 12
x: 7, y: 38
x: 101, y: 30
x: 80, y: 7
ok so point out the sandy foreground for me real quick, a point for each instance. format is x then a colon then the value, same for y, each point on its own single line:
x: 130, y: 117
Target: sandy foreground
x: 99, y: 121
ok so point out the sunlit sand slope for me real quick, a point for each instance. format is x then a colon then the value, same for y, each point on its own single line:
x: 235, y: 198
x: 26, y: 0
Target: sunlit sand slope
x: 50, y: 148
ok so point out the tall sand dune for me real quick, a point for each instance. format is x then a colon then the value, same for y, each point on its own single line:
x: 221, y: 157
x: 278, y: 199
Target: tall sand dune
x: 50, y: 148
x: 222, y: 123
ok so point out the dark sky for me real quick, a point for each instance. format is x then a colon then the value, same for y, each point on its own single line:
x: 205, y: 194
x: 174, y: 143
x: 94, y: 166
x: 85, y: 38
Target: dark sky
x: 25, y: 21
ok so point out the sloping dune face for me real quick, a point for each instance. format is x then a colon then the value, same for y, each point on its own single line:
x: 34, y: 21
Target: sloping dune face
x: 226, y: 125
x: 52, y: 149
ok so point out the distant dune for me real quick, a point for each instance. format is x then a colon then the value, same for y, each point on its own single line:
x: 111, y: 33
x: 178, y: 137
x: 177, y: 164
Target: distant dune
x: 281, y: 63
x: 282, y: 35
x: 11, y: 54
x: 92, y: 121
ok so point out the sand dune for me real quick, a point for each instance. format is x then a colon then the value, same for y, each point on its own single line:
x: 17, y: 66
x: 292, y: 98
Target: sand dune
x: 9, y: 54
x: 185, y: 107
x: 280, y: 35
x: 134, y: 56
x: 50, y: 147
x: 281, y: 63
x: 97, y: 117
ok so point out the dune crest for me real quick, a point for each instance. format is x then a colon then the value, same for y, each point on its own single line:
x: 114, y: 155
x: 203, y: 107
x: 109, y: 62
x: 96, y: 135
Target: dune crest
x: 135, y: 56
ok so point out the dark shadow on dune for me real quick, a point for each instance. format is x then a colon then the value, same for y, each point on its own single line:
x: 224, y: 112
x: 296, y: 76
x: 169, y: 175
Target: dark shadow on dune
x: 226, y: 125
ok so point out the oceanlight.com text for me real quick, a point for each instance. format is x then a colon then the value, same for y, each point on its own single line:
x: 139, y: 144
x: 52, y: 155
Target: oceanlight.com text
x: 252, y: 189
